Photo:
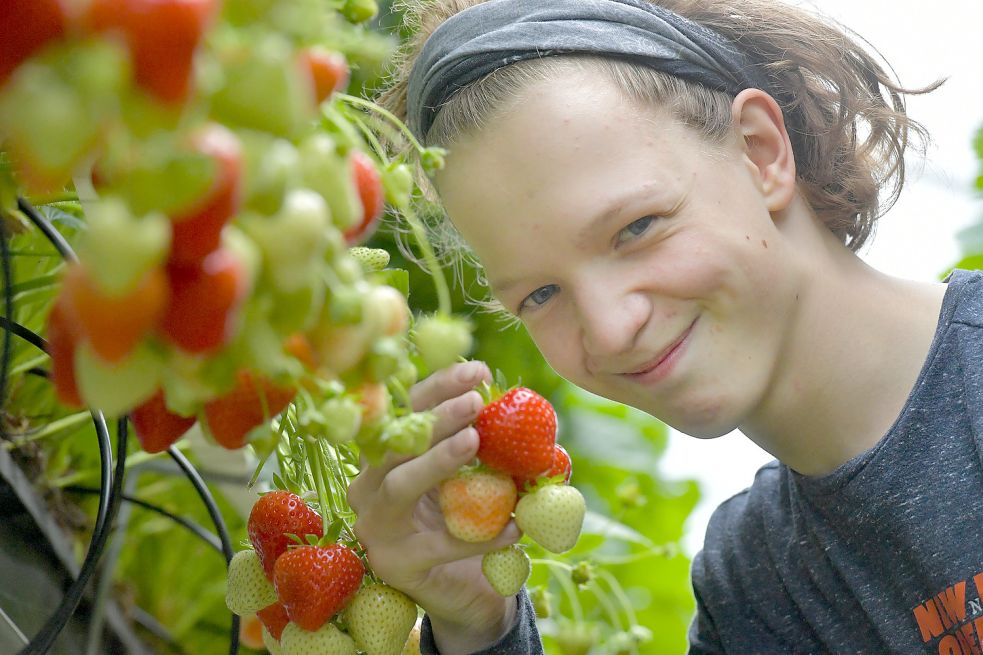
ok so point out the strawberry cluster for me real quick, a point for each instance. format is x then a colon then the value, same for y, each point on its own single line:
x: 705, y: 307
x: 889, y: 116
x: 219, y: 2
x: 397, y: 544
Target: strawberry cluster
x: 223, y: 184
x: 312, y: 596
x: 522, y: 471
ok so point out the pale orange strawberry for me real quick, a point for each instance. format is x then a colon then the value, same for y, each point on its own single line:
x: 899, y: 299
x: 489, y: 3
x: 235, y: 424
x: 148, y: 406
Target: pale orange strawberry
x: 477, y: 503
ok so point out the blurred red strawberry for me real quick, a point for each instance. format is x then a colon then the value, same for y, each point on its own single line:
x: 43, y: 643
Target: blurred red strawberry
x: 62, y: 336
x: 26, y: 26
x: 204, y: 302
x: 328, y: 70
x: 253, y: 401
x: 370, y: 192
x: 157, y: 427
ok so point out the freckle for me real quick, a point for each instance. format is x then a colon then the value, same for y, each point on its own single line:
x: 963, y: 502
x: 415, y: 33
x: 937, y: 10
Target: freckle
x: 747, y: 236
x: 764, y: 243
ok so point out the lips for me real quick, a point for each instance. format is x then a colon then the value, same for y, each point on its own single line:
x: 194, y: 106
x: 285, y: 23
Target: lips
x: 658, y: 359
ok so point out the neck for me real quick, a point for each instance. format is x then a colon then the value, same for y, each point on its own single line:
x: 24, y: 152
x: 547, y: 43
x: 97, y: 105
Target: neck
x: 850, y: 358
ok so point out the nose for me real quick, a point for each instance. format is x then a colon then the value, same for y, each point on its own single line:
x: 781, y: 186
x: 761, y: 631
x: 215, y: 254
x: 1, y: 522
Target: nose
x: 610, y: 318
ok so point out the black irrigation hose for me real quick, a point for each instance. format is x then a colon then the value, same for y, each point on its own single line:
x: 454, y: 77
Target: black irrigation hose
x: 54, y: 236
x: 110, y: 486
x: 213, y: 511
x: 193, y: 527
x: 8, y: 312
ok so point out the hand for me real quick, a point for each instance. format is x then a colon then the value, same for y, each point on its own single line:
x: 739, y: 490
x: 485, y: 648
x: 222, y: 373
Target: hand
x: 402, y: 529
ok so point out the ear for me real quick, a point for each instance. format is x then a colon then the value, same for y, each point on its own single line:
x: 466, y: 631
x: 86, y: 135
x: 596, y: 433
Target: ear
x: 758, y: 121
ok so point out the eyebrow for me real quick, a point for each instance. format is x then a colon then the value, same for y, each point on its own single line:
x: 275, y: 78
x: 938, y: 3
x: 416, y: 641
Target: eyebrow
x: 614, y: 208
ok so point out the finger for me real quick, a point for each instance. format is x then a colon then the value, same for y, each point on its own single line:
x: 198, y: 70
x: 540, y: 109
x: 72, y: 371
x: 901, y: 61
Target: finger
x: 402, y: 488
x: 440, y: 547
x: 448, y: 383
x: 452, y: 416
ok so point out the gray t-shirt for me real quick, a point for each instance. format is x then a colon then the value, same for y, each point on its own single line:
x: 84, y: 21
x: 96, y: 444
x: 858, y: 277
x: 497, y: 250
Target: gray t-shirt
x: 876, y: 557
x: 884, y: 554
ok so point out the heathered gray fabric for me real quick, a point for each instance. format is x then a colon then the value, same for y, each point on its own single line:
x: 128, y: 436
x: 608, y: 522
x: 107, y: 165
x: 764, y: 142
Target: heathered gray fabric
x: 884, y: 554
x: 522, y: 640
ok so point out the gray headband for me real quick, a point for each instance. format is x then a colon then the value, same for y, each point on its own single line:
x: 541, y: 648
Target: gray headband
x: 494, y: 34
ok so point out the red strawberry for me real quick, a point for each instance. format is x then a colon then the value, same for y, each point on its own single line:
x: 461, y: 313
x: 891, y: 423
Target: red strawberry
x: 370, y: 192
x: 328, y: 70
x: 156, y: 426
x: 204, y: 302
x: 162, y: 36
x: 63, y: 335
x: 274, y: 618
x: 251, y: 402
x: 272, y: 518
x: 517, y: 433
x: 316, y: 582
x: 26, y: 26
x: 561, y: 466
x: 197, y: 231
x: 114, y: 325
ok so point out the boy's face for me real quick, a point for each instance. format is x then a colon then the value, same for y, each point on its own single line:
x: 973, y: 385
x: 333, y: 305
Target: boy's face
x: 618, y: 235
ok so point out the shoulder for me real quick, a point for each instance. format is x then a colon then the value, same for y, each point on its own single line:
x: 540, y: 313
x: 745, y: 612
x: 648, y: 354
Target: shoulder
x: 968, y: 310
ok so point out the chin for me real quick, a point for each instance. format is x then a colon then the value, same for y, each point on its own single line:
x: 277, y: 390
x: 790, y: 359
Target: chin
x: 707, y: 422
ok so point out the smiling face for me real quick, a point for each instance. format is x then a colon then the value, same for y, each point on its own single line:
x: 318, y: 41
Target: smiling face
x: 644, y: 261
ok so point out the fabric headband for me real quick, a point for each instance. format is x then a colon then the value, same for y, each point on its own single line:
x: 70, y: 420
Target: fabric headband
x: 494, y: 34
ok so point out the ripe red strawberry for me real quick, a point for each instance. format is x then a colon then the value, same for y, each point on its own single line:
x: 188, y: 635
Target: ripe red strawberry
x: 272, y: 518
x: 26, y: 26
x: 316, y: 582
x: 157, y: 427
x: 63, y: 336
x: 328, y: 71
x: 162, y: 36
x: 274, y: 618
x: 561, y: 466
x: 370, y: 192
x: 114, y: 325
x: 204, y: 302
x: 517, y: 433
x: 196, y: 232
x: 477, y: 503
x: 252, y: 401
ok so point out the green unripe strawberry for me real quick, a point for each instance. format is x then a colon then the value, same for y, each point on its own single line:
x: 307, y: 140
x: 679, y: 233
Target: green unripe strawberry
x: 506, y: 569
x: 293, y: 239
x: 441, y: 340
x: 271, y: 643
x: 380, y: 619
x: 542, y: 602
x: 346, y: 303
x: 397, y: 182
x: 342, y: 419
x: 371, y: 259
x: 264, y: 89
x: 328, y: 172
x: 410, y: 434
x: 272, y: 167
x: 576, y: 638
x: 248, y: 590
x: 118, y: 248
x: 383, y: 358
x: 582, y: 573
x: 117, y: 388
x: 326, y: 640
x: 552, y: 516
x: 432, y: 159
x: 359, y: 11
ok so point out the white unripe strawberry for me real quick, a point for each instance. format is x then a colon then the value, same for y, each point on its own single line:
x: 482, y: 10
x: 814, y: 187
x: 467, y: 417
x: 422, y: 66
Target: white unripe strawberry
x: 412, y: 645
x: 326, y: 640
x: 371, y: 259
x: 506, y: 569
x: 271, y: 644
x: 248, y: 589
x: 441, y: 340
x: 380, y: 619
x: 552, y: 516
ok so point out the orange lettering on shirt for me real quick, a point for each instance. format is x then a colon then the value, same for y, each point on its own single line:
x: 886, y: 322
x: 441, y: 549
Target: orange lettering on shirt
x: 949, y: 645
x: 952, y: 602
x: 967, y: 639
x: 929, y: 621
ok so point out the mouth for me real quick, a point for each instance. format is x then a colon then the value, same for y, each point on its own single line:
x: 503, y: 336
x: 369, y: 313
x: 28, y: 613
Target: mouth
x: 660, y: 363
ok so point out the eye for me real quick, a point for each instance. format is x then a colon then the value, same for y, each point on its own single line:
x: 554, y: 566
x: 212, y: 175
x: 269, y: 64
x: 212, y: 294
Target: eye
x: 634, y: 229
x: 538, y: 297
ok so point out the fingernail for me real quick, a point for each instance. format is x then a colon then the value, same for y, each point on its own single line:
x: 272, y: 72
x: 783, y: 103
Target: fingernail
x: 465, y: 442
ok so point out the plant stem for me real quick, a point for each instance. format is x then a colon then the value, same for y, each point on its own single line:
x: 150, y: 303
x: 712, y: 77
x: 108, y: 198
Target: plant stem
x: 371, y: 106
x: 314, y: 460
x: 440, y: 284
x: 620, y: 594
x: 568, y: 589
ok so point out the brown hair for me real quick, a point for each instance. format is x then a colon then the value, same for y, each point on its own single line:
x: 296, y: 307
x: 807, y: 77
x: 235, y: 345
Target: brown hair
x: 844, y: 114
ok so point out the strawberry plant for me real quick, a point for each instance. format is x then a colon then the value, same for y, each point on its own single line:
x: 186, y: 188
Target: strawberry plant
x: 234, y: 299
